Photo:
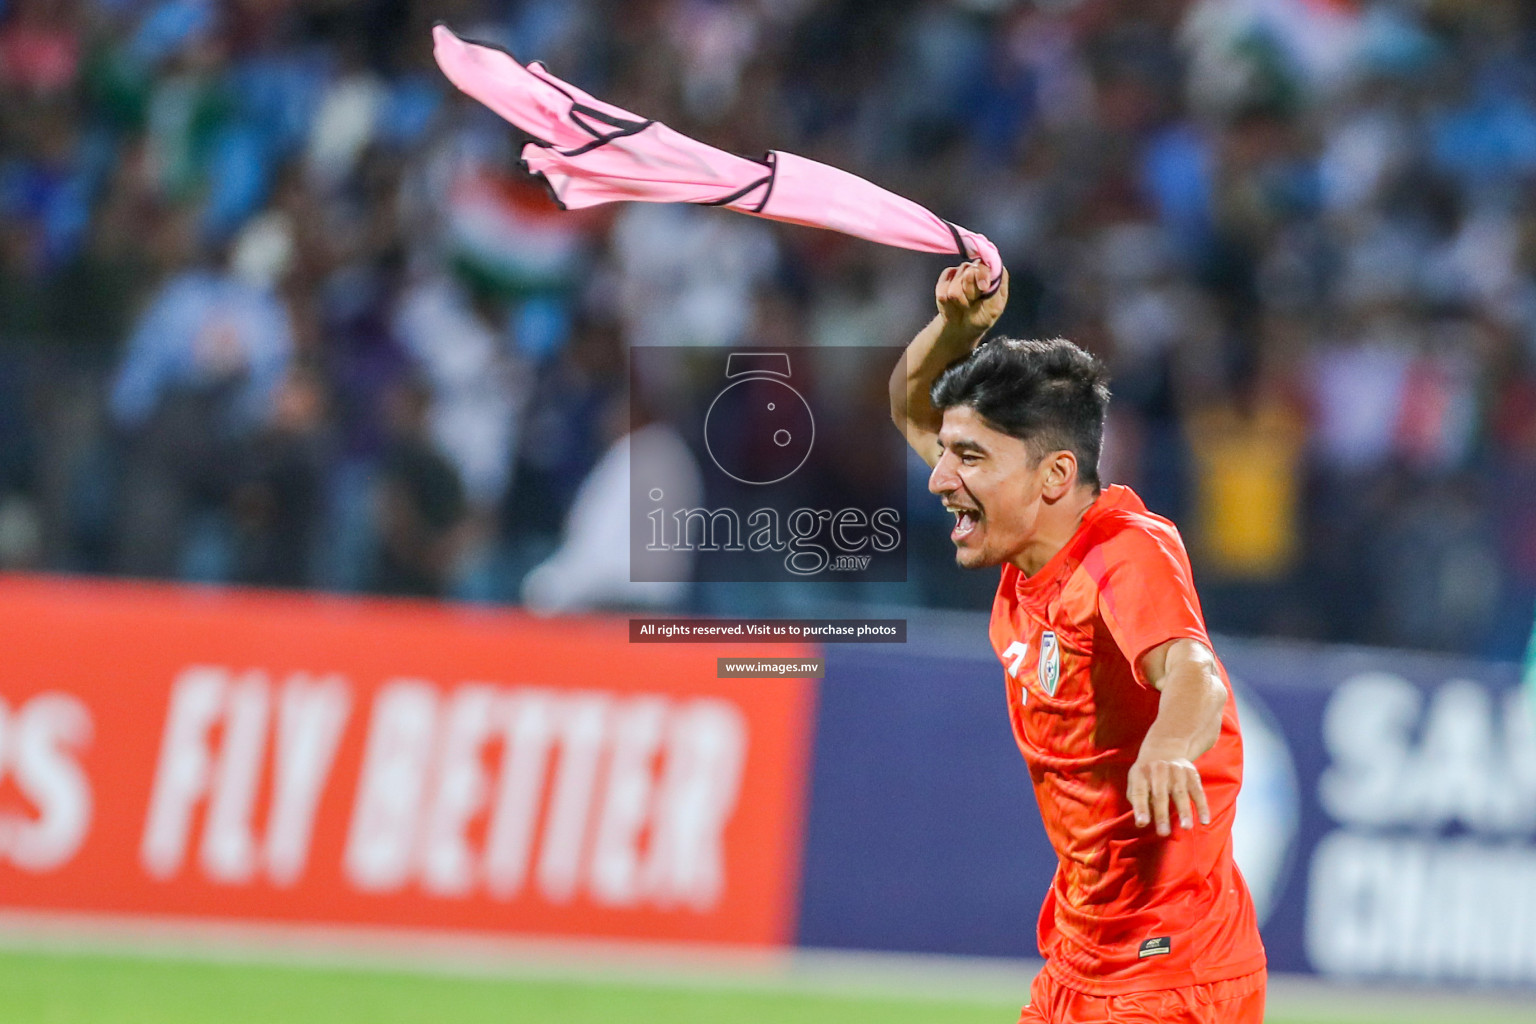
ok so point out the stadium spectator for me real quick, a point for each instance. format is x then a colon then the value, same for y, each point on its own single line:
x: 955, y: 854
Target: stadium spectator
x: 590, y: 569
x: 196, y: 380
x: 278, y: 501
x: 421, y: 502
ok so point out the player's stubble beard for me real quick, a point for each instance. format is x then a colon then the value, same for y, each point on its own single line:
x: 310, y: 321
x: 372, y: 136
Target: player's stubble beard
x: 991, y: 540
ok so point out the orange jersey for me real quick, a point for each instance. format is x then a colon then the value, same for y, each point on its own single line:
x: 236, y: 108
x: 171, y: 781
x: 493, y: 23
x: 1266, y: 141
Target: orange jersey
x: 1128, y: 910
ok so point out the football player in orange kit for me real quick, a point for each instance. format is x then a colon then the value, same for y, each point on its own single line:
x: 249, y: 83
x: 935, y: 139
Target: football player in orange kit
x: 1118, y: 704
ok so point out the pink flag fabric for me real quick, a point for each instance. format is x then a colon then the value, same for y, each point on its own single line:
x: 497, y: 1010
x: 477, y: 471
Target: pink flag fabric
x: 591, y: 152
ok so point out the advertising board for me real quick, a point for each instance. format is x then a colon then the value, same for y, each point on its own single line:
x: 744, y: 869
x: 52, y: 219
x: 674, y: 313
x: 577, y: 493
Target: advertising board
x: 308, y: 759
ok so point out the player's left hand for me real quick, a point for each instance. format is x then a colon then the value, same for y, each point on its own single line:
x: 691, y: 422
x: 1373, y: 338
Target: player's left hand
x: 1161, y: 777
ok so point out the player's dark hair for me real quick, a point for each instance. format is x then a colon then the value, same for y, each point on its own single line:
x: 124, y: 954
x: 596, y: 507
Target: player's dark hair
x: 1049, y: 394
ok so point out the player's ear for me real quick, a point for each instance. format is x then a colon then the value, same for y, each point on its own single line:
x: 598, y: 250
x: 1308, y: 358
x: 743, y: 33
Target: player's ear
x: 1060, y: 475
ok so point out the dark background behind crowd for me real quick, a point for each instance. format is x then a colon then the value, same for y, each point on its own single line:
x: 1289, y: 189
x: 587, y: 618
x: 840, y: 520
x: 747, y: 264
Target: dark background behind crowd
x: 277, y: 308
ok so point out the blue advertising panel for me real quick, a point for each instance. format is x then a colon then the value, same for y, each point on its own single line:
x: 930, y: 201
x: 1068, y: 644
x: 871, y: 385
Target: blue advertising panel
x: 922, y: 831
x: 1414, y: 852
x: 1387, y: 825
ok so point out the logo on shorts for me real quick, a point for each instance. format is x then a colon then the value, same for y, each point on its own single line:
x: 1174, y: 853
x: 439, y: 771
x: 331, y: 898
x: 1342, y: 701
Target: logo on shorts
x: 1049, y: 669
x: 1155, y: 947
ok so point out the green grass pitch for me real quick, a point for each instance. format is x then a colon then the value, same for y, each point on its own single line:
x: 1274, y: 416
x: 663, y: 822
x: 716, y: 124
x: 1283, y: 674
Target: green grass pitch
x: 79, y: 988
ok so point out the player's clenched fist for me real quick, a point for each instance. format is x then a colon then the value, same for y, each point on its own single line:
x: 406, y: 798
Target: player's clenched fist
x: 1159, y: 779
x: 962, y: 299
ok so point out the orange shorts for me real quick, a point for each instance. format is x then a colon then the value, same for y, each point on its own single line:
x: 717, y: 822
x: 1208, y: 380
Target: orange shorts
x: 1235, y: 1001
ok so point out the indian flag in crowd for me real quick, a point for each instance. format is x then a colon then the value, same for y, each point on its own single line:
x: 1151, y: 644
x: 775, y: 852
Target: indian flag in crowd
x: 1319, y: 39
x: 508, y: 235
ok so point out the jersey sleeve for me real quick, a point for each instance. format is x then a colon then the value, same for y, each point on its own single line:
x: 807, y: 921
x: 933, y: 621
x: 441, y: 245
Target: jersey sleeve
x: 1146, y: 592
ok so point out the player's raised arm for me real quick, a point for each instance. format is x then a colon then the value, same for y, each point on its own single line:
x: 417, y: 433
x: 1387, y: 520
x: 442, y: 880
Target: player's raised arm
x: 1187, y: 725
x: 965, y: 315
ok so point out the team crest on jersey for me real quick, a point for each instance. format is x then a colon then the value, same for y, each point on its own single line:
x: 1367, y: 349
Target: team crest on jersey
x: 1049, y: 669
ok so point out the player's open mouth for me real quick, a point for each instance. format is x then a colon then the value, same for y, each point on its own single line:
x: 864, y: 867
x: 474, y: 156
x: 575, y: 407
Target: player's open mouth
x: 966, y: 521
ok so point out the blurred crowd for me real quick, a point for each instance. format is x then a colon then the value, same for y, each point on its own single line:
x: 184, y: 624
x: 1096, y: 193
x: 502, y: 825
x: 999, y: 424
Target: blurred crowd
x: 278, y: 308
